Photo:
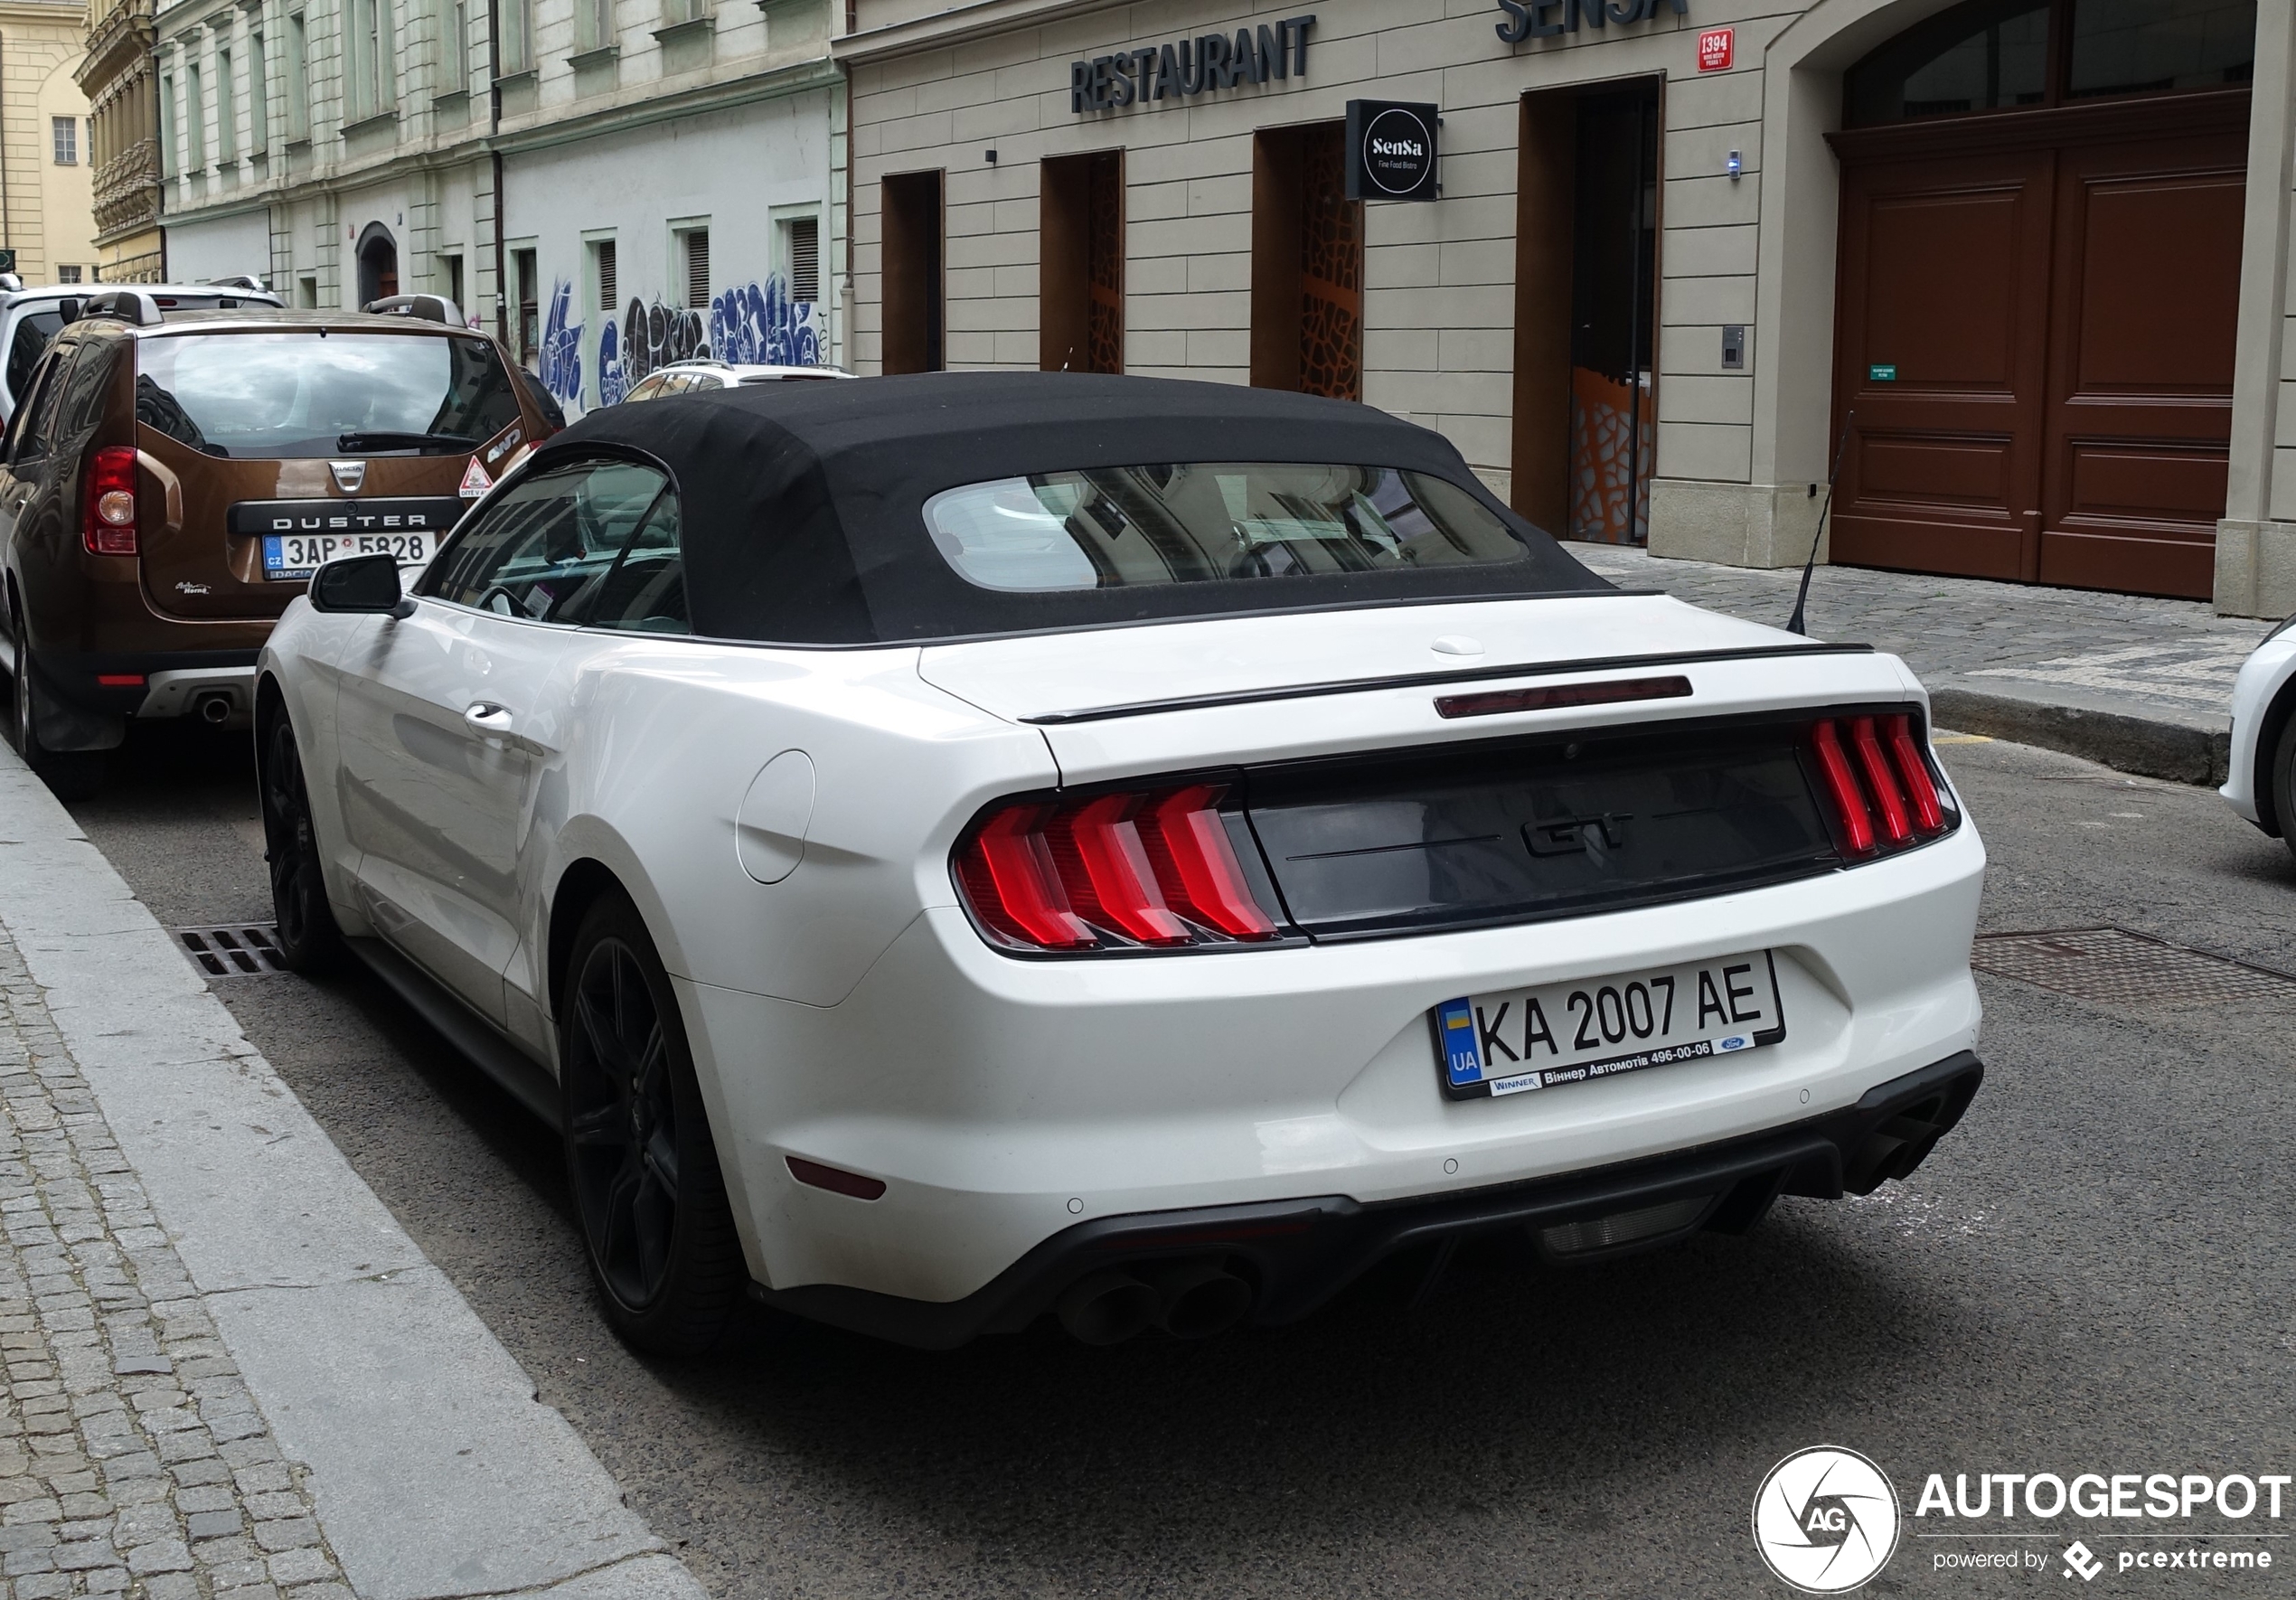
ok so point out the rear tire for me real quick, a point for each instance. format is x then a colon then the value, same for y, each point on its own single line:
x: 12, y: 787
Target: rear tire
x: 70, y: 775
x: 655, y: 1221
x: 2281, y: 776
x: 310, y: 941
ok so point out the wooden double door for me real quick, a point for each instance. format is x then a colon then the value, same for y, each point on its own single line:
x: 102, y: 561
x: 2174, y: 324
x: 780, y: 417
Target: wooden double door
x: 2036, y: 320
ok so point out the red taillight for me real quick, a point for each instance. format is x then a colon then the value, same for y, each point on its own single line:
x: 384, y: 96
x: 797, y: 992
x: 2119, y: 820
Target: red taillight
x: 1151, y: 868
x: 1099, y: 855
x: 1010, y: 860
x: 1897, y: 787
x: 1189, y: 844
x: 108, y: 503
x: 1848, y: 804
x: 1920, y: 788
x: 1880, y: 782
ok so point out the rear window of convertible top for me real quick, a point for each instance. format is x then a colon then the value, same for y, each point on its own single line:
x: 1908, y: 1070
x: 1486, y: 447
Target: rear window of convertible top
x: 1139, y: 527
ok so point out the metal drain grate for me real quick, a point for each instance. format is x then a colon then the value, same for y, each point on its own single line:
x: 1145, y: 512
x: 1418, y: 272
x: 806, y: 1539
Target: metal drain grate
x: 2112, y: 966
x: 237, y: 950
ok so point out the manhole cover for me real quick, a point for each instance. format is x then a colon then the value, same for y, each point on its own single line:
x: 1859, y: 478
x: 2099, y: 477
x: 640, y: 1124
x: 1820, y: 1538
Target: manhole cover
x: 237, y: 950
x: 2112, y: 966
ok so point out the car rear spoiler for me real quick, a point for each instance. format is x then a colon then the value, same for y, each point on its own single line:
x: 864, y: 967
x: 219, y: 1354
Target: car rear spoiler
x: 133, y: 306
x: 429, y: 307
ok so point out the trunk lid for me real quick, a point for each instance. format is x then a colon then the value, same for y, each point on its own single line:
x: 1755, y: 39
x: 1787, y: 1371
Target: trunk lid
x: 195, y: 567
x: 1117, y: 702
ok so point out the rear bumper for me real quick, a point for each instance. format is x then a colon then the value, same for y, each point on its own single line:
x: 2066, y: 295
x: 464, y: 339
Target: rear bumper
x: 168, y: 682
x: 1299, y: 1253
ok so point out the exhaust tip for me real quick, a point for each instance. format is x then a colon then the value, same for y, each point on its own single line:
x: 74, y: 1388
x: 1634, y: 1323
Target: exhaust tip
x: 1199, y: 1298
x: 1107, y: 1308
x: 214, y: 708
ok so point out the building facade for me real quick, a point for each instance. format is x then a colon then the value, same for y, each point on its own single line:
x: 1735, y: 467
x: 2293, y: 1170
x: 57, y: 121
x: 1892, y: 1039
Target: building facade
x: 2018, y: 266
x: 608, y: 184
x: 118, y: 78
x: 45, y: 214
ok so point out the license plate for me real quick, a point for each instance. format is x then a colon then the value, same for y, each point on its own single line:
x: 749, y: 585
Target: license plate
x: 296, y: 556
x: 1516, y: 1040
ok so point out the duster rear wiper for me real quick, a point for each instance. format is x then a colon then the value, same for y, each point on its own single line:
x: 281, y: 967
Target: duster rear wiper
x: 386, y: 441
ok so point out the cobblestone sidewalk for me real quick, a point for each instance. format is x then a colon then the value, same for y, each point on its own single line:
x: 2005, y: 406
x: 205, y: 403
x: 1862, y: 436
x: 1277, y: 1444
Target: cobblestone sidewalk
x: 133, y: 1461
x: 2177, y: 657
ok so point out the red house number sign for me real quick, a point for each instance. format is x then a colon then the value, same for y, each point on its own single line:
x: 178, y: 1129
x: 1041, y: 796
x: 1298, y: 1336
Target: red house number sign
x: 1714, y: 49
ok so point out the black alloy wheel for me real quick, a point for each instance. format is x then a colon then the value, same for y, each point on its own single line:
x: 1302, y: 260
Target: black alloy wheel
x: 639, y: 1155
x: 2278, y: 779
x: 72, y: 774
x: 309, y: 939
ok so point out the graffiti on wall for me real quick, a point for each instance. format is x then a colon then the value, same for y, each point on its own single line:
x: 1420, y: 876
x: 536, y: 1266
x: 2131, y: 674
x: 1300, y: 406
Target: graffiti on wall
x: 559, y: 363
x: 750, y: 324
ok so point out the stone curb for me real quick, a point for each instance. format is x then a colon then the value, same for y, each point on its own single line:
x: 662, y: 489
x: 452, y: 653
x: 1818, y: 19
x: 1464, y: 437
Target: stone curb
x: 2178, y: 751
x: 435, y: 1472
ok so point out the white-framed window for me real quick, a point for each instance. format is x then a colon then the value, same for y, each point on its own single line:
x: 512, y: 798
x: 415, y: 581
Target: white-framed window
x: 693, y: 256
x: 593, y: 24
x: 258, y: 96
x: 295, y: 72
x: 798, y: 255
x: 454, y: 49
x: 67, y: 275
x: 516, y: 19
x: 227, y: 108
x: 65, y: 132
x: 194, y: 117
x: 605, y: 278
x: 372, y: 85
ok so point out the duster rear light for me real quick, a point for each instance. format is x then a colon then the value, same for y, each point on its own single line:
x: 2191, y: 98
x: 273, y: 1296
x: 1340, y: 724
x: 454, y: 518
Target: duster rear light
x: 108, y: 503
x: 1877, y: 783
x: 1151, y: 868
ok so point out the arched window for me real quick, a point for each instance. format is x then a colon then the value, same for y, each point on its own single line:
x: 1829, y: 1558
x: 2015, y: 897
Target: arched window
x: 2006, y: 55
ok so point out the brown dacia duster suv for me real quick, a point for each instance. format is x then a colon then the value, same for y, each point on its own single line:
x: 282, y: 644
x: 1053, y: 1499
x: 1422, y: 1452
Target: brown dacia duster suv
x: 169, y: 482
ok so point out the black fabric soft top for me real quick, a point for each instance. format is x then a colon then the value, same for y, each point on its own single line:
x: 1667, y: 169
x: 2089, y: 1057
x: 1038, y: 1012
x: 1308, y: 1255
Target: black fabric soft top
x: 803, y: 503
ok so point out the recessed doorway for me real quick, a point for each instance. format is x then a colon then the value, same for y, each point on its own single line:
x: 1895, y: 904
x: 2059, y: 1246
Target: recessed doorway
x: 378, y: 265
x: 1586, y: 338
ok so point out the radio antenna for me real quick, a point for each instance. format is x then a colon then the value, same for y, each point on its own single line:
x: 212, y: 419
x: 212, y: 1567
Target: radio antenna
x: 1798, y: 623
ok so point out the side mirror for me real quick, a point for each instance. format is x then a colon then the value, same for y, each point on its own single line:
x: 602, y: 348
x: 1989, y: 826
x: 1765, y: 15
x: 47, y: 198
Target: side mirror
x: 363, y: 584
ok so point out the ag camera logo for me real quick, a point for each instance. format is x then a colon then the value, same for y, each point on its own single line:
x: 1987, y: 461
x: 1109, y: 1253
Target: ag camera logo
x: 1826, y: 1519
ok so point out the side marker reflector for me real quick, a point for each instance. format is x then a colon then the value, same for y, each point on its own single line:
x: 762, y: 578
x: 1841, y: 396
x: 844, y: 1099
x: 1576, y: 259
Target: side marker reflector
x: 834, y: 1179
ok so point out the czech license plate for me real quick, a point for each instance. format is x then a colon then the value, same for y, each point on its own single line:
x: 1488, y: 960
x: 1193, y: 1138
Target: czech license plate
x: 1517, y: 1039
x: 295, y: 556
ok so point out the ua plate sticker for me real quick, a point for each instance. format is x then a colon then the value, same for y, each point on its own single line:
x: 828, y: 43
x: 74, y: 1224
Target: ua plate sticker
x: 1515, y: 1041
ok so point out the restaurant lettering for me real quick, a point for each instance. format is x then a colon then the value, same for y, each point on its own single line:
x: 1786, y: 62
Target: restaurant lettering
x: 1268, y: 53
x: 1544, y: 19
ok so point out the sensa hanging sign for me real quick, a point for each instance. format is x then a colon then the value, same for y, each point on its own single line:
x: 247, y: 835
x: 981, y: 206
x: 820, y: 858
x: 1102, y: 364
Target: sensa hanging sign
x: 1270, y: 53
x: 1391, y: 150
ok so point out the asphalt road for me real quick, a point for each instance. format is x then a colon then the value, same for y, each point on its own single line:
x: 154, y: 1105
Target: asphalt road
x: 2092, y: 1275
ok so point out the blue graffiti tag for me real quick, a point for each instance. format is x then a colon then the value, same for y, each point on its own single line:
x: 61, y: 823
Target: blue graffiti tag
x: 763, y: 325
x: 560, y: 357
x: 613, y: 383
x: 751, y: 325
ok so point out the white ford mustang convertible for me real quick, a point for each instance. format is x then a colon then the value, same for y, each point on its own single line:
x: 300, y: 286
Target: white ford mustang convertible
x: 950, y: 850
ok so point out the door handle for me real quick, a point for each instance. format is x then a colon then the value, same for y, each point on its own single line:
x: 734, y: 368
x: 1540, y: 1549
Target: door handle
x: 486, y: 717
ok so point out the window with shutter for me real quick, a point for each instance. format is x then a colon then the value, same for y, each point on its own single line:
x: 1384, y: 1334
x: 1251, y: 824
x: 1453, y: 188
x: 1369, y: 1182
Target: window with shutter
x: 609, y: 289
x: 804, y: 259
x: 697, y: 269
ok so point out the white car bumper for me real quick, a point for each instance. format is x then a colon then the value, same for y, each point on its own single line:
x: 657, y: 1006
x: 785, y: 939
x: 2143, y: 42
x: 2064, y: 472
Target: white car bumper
x: 2261, y: 677
x: 1003, y: 1102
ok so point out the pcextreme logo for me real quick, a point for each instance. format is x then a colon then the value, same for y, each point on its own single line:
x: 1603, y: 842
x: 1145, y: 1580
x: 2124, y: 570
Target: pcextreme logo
x: 1826, y: 1519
